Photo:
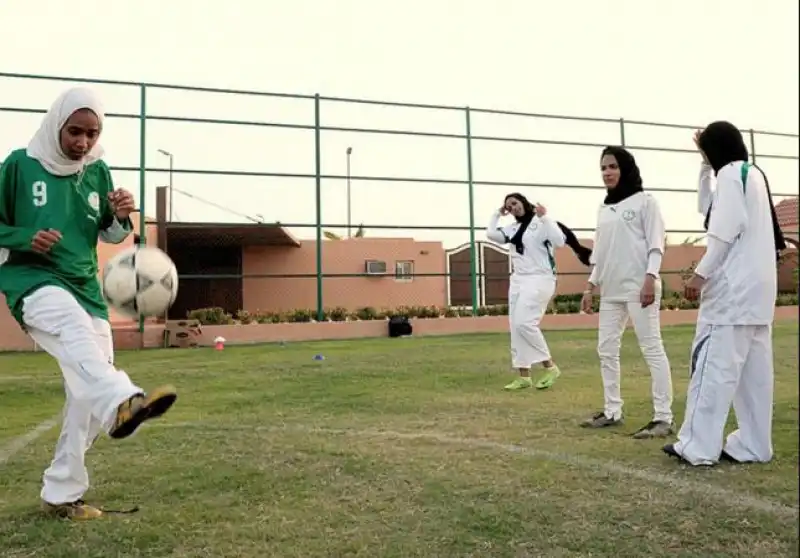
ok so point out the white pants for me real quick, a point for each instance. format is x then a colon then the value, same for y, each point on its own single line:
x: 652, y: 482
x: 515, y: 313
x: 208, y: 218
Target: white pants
x: 83, y: 347
x: 647, y: 326
x: 528, y: 297
x: 730, y: 364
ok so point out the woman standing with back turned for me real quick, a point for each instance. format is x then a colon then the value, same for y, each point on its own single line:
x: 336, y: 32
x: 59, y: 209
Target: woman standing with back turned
x: 732, y: 358
x: 628, y: 248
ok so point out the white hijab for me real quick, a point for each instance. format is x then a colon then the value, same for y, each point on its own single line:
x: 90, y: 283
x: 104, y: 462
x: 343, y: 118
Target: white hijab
x: 45, y: 146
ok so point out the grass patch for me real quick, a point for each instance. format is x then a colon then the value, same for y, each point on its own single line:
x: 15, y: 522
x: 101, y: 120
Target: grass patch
x: 396, y: 448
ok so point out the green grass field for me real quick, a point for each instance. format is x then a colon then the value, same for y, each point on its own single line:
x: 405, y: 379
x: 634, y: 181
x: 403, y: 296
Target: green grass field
x: 395, y: 448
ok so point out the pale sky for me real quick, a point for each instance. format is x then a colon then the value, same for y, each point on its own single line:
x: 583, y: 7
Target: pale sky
x: 683, y: 61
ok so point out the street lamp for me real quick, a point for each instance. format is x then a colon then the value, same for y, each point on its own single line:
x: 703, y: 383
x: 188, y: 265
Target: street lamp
x: 171, y: 161
x: 349, y: 153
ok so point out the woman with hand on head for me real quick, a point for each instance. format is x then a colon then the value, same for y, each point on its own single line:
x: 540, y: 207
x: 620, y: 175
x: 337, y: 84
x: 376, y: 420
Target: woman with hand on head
x: 533, y: 237
x: 627, y: 253
x: 736, y: 281
x: 57, y: 199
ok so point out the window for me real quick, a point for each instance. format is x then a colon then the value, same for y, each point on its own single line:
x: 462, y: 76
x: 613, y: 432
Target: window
x: 404, y: 271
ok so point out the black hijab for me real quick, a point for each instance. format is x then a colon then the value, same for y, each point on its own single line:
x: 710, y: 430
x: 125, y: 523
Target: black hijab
x: 630, y: 179
x: 722, y: 143
x: 581, y: 251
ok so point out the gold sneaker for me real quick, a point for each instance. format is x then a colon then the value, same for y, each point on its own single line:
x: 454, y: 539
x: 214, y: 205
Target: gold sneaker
x: 76, y: 511
x: 139, y: 408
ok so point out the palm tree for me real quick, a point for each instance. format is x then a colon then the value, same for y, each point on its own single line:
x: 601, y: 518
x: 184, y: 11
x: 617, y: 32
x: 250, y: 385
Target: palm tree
x: 691, y: 241
x: 333, y: 236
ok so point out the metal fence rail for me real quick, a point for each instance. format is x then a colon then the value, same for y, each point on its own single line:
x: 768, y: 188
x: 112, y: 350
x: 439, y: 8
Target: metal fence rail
x: 316, y: 124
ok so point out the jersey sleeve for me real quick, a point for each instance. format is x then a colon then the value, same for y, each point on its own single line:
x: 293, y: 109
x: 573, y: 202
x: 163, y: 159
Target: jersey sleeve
x: 704, y: 189
x: 112, y: 230
x: 712, y: 259
x: 11, y: 237
x: 494, y: 232
x: 655, y: 230
x: 554, y: 233
x: 729, y: 211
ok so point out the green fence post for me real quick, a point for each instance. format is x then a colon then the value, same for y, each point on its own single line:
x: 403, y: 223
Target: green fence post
x: 318, y: 194
x: 622, y: 131
x: 142, y: 171
x: 473, y: 268
x: 753, y: 145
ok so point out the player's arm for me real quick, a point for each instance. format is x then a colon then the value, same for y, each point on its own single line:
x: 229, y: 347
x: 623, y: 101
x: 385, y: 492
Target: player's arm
x: 116, y: 230
x: 728, y: 220
x: 554, y: 233
x: 593, y: 280
x: 494, y: 232
x: 113, y: 229
x: 655, y: 232
x: 11, y: 236
x: 704, y: 190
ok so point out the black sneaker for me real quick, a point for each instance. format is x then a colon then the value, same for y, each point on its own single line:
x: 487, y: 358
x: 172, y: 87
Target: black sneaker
x: 728, y: 458
x: 669, y: 449
x: 600, y: 420
x: 654, y: 429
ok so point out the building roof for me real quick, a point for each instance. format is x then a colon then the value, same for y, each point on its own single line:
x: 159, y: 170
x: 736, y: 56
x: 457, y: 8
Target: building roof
x: 787, y: 211
x: 229, y: 234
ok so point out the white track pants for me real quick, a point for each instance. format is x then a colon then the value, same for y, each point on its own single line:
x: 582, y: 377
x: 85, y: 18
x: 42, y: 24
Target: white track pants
x: 730, y: 364
x: 528, y: 297
x: 647, y: 326
x: 83, y: 347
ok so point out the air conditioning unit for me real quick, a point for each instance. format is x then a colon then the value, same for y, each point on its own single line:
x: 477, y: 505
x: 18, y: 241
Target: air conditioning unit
x: 374, y: 267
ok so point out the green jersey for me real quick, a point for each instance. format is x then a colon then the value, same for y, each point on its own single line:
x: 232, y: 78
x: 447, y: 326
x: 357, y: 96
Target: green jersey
x: 31, y: 199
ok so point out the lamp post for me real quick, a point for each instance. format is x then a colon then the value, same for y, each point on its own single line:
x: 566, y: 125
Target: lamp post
x: 349, y: 224
x: 171, y: 161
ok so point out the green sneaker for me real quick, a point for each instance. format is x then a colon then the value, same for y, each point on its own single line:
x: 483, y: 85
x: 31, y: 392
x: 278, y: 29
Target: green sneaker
x: 548, y: 378
x: 519, y: 383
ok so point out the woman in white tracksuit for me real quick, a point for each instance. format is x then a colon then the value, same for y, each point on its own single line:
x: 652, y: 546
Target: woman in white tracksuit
x: 627, y: 253
x: 534, y: 236
x: 732, y: 355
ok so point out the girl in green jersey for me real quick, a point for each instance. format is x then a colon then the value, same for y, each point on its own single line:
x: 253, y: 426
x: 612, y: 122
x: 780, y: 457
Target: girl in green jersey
x: 56, y: 200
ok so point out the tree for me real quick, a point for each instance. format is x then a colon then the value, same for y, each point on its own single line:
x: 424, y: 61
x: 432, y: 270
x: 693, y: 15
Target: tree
x: 333, y: 236
x: 691, y: 241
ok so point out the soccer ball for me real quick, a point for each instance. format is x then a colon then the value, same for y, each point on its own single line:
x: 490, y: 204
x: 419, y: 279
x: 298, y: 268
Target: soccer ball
x: 140, y: 282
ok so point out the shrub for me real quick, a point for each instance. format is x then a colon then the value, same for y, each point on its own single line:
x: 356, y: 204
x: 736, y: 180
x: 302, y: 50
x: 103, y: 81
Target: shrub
x: 300, y: 315
x: 269, y: 317
x: 245, y: 317
x: 338, y: 314
x: 367, y: 313
x: 566, y: 304
x: 210, y: 316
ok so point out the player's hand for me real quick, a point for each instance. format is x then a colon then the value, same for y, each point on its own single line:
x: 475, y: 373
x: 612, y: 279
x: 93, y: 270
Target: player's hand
x: 693, y: 287
x: 503, y: 211
x: 586, y: 303
x: 122, y: 203
x: 648, y: 293
x: 540, y: 210
x: 696, y: 139
x: 44, y: 240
